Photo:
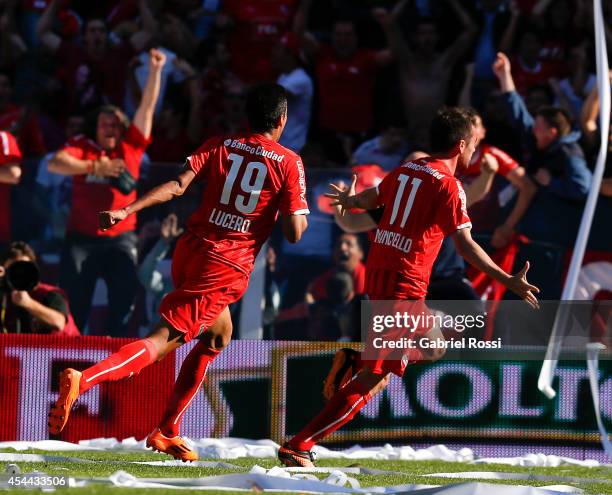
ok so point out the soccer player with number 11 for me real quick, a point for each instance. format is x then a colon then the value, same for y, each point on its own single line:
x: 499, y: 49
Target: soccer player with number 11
x: 249, y: 179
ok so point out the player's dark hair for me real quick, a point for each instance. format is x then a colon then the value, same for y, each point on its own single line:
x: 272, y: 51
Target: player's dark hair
x: 473, y: 114
x: 265, y: 105
x: 17, y: 249
x: 449, y: 126
x: 557, y: 118
x: 91, y: 119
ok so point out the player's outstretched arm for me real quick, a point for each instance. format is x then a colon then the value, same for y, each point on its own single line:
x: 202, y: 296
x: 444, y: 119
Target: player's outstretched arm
x: 477, y: 257
x: 347, y: 199
x: 160, y: 194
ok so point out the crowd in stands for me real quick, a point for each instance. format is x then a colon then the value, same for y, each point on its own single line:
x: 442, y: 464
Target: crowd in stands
x: 101, y: 100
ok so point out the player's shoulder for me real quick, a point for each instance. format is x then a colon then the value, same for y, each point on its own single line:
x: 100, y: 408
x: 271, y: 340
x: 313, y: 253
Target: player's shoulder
x: 426, y: 167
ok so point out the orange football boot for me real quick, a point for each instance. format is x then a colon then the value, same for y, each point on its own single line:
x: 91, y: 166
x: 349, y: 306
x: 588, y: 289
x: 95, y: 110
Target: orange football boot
x: 175, y: 446
x: 68, y: 394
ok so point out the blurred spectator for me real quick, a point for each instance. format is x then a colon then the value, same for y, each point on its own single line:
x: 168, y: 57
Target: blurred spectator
x: 345, y: 76
x: 298, y: 85
x: 28, y: 305
x: 94, y: 72
x: 337, y: 316
x: 255, y: 26
x: 538, y: 96
x: 19, y: 121
x: 216, y: 77
x: 496, y: 34
x: 560, y: 23
x: 175, y: 35
x: 556, y: 159
x: 424, y: 71
x: 104, y: 164
x: 154, y: 271
x: 487, y: 208
x: 573, y: 90
x: 12, y: 45
x: 53, y: 190
x: 172, y: 74
x: 178, y: 126
x: 348, y: 257
x: 528, y: 67
x: 10, y: 173
x: 201, y: 16
x: 232, y: 118
x: 388, y: 149
x: 590, y: 129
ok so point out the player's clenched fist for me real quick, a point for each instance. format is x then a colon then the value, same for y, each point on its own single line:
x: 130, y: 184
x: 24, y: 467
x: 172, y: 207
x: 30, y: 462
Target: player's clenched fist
x: 157, y: 59
x: 106, y: 219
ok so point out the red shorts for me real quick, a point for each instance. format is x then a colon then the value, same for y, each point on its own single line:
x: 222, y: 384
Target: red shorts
x: 387, y: 285
x: 204, y: 287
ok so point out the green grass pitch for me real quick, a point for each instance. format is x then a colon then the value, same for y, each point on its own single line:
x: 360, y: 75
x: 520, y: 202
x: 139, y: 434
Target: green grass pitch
x: 410, y: 472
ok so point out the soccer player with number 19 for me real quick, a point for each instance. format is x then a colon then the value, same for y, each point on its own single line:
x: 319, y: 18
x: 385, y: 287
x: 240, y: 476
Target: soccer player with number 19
x: 249, y: 179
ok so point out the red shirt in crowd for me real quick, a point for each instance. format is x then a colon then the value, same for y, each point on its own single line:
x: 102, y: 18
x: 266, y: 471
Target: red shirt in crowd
x: 91, y: 194
x: 249, y: 179
x: 318, y: 287
x: 485, y: 214
x: 89, y: 83
x: 525, y: 78
x: 346, y: 89
x: 423, y: 203
x: 15, y: 120
x: 9, y: 155
x: 258, y: 25
x: 506, y: 163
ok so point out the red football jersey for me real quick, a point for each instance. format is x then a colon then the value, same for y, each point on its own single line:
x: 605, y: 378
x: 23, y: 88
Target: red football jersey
x: 506, y: 162
x: 9, y: 154
x: 346, y: 89
x: 258, y: 25
x: 92, y: 194
x: 249, y: 179
x: 423, y: 203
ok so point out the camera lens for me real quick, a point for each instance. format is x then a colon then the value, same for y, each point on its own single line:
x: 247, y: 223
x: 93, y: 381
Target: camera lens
x: 22, y: 275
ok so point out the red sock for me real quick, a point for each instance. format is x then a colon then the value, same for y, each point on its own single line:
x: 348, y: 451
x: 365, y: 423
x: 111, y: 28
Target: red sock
x: 340, y: 409
x: 188, y: 383
x: 127, y: 361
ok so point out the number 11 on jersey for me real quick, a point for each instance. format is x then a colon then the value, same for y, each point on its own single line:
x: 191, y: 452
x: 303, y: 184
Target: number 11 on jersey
x: 403, y: 180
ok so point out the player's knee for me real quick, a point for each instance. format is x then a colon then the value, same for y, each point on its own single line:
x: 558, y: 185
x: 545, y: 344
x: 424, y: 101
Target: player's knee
x: 217, y: 339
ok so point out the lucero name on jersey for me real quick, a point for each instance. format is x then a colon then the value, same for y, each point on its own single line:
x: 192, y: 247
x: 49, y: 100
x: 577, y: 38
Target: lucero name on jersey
x: 254, y: 150
x: 229, y: 221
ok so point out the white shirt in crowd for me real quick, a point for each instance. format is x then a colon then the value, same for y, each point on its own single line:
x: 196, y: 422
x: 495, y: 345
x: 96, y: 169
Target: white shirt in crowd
x: 299, y: 86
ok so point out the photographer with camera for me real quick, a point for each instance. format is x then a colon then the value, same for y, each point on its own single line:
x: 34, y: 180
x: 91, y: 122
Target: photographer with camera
x: 105, y: 165
x: 27, y: 305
